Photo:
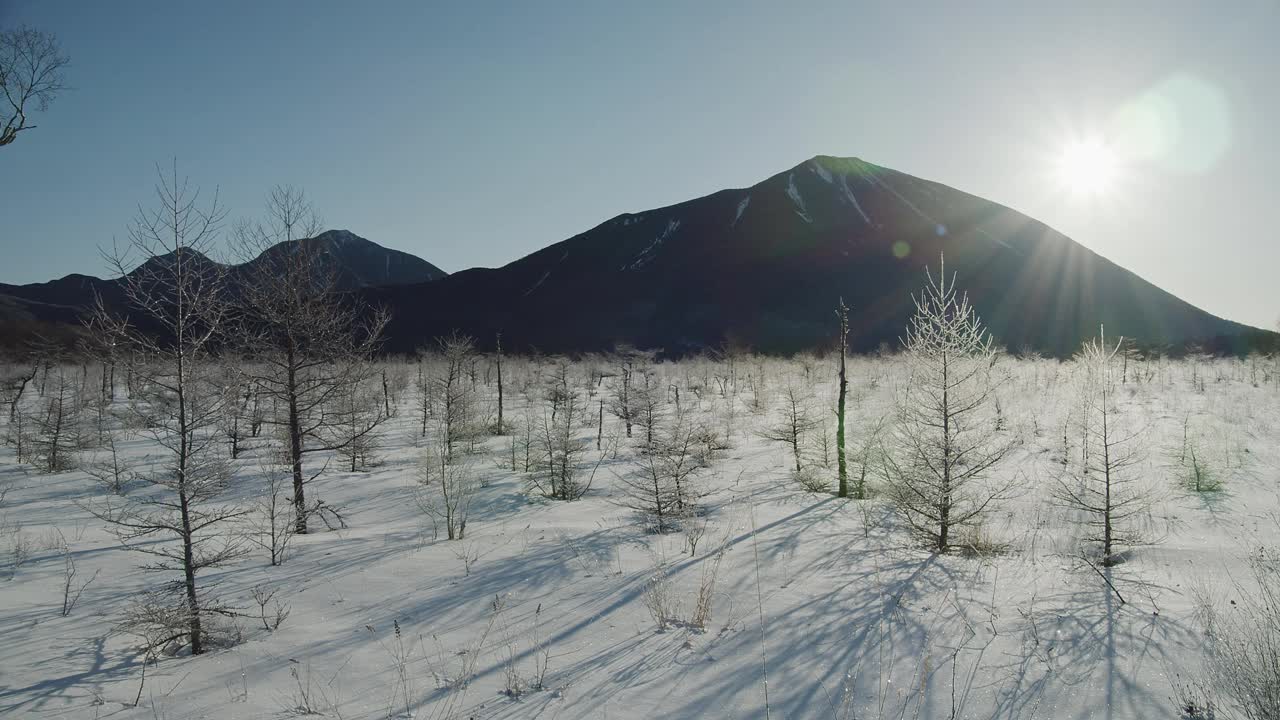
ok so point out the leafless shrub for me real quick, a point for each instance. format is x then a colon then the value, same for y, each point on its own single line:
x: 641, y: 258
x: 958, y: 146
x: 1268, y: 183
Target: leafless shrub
x: 1243, y: 639
x: 704, y: 601
x: 19, y: 545
x: 795, y: 424
x: 517, y: 683
x: 309, y: 697
x: 279, y: 612
x: 110, y: 470
x: 1193, y: 699
x: 446, y: 489
x: 71, y: 591
x: 660, y: 599
x: 812, y: 480
x: 271, y: 521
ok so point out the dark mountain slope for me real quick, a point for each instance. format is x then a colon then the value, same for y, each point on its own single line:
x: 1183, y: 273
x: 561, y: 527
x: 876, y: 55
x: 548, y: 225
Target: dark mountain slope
x: 54, y: 308
x: 764, y: 266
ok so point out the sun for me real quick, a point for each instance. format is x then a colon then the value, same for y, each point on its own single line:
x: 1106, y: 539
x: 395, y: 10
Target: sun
x: 1087, y: 167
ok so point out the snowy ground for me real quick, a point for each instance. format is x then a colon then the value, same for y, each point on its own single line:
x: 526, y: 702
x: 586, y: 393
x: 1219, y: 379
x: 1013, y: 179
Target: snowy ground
x: 823, y: 608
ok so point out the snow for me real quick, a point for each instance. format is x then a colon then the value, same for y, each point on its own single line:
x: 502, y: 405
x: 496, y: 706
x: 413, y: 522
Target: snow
x: 848, y: 194
x: 646, y: 256
x: 742, y: 207
x: 854, y: 620
x: 544, y: 276
x: 904, y: 201
x: 993, y: 238
x: 821, y: 171
x: 538, y: 284
x: 794, y: 194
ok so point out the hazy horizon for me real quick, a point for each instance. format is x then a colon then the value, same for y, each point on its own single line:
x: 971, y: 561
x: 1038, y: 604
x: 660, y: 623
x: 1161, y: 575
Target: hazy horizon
x: 473, y: 136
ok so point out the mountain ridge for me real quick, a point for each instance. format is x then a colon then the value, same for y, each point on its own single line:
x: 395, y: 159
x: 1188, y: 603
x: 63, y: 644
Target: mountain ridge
x: 764, y: 265
x: 823, y: 213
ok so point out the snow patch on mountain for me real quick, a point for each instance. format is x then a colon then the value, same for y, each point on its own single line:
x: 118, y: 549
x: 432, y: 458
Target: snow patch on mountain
x: 794, y: 194
x: 742, y: 207
x: 545, y: 275
x: 538, y: 284
x: 853, y: 199
x: 993, y: 238
x: 647, y: 255
x: 822, y: 172
x: 905, y: 201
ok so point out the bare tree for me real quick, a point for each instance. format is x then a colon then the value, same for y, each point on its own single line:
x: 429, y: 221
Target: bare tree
x: 271, y: 522
x: 561, y: 451
x: 31, y: 65
x: 795, y: 424
x: 500, y: 426
x: 357, y: 412
x: 621, y: 404
x: 54, y: 440
x: 446, y: 487
x: 946, y: 436
x: 1104, y: 493
x: 664, y: 488
x: 13, y: 385
x: 308, y: 341
x: 867, y: 453
x: 455, y: 394
x: 177, y: 292
x: 238, y: 392
x: 112, y: 471
x: 842, y: 313
x: 646, y: 400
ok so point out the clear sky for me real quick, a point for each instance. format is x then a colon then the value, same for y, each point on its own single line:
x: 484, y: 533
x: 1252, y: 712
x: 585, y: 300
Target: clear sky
x: 472, y: 133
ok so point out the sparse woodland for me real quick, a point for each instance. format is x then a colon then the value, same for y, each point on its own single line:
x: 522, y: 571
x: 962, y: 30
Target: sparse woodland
x: 466, y: 534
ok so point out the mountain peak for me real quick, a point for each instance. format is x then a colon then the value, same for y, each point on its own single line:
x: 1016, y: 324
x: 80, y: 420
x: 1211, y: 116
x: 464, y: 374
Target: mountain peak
x: 361, y: 262
x: 185, y: 254
x: 341, y: 237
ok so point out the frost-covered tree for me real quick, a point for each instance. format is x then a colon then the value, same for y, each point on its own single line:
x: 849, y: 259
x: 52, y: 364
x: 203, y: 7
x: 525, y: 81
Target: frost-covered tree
x: 795, y: 423
x: 561, y: 451
x: 356, y: 412
x: 455, y: 395
x: 664, y: 487
x: 621, y: 403
x: 54, y: 429
x: 646, y: 401
x: 14, y: 379
x: 946, y: 433
x: 178, y: 293
x: 1105, y: 492
x: 446, y: 488
x: 270, y: 523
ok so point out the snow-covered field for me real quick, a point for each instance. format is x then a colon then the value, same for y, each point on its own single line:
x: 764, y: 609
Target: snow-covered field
x: 820, y: 607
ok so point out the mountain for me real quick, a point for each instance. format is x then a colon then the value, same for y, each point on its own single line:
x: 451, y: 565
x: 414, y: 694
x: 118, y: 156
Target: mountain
x: 359, y: 263
x: 764, y: 267
x: 53, y: 308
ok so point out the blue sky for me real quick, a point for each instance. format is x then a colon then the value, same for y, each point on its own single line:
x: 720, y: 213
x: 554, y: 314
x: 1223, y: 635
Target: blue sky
x: 474, y: 133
